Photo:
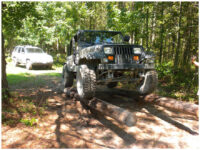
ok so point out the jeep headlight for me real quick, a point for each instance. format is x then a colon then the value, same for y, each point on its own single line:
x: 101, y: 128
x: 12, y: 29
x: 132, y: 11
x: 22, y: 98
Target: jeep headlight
x: 137, y: 50
x: 108, y: 50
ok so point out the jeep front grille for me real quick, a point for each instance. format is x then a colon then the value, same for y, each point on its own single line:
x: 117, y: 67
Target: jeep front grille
x: 122, y: 50
x: 122, y: 54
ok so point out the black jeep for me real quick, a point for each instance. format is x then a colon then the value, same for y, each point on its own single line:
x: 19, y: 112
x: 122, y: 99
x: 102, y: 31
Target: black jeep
x: 105, y: 57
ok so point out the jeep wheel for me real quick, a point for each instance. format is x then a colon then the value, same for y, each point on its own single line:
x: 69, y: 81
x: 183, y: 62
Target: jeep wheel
x: 86, y: 82
x: 68, y: 77
x: 148, y: 85
x: 28, y: 65
x: 112, y: 84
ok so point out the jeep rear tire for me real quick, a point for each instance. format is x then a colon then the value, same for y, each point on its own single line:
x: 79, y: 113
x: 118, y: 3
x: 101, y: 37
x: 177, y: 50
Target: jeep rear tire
x: 86, y: 82
x: 112, y: 84
x: 149, y: 83
x: 28, y: 65
x: 68, y: 77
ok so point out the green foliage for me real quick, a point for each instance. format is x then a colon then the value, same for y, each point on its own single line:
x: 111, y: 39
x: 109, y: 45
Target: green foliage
x: 177, y: 83
x: 165, y: 70
x: 29, y: 122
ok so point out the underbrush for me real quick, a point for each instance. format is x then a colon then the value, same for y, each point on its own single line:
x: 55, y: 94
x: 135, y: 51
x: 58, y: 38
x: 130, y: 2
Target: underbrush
x: 181, y: 84
x: 21, y: 109
x: 18, y: 108
x: 59, y: 60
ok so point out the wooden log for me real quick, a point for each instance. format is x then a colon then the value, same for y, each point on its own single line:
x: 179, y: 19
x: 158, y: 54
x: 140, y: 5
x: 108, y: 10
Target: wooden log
x: 119, y: 114
x: 171, y: 103
x: 115, y: 112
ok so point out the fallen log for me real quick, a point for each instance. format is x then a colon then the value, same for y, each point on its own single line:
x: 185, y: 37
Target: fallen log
x: 172, y: 104
x: 115, y: 112
x: 119, y: 114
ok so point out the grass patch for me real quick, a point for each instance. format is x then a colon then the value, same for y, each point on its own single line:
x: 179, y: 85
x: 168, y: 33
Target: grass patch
x: 14, y: 79
x: 18, y: 78
x: 52, y: 74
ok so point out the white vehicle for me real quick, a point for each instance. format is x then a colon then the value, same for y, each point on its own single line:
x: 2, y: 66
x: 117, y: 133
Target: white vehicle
x: 31, y: 56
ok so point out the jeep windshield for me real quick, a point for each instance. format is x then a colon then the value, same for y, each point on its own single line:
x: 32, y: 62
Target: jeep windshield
x: 101, y: 37
x: 34, y: 50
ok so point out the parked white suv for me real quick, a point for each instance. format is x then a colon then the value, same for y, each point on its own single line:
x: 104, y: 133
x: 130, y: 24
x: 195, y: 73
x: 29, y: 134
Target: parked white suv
x: 31, y: 56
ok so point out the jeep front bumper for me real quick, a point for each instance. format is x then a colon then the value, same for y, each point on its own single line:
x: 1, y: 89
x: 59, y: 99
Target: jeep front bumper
x: 125, y: 66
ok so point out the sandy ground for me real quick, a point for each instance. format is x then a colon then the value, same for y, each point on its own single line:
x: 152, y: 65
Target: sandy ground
x: 67, y: 124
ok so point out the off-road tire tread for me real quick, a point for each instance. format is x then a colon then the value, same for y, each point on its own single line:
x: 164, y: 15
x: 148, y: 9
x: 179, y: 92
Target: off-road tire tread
x: 89, y: 82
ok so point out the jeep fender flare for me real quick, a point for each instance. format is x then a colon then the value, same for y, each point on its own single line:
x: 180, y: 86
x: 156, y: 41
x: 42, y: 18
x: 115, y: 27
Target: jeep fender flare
x: 91, y: 57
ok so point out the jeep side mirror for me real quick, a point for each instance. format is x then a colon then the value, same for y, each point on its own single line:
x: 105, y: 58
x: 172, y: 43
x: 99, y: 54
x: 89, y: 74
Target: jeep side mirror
x: 126, y: 38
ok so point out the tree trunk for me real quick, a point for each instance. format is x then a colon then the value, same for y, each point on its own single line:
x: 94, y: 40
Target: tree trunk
x: 179, y: 39
x: 173, y: 44
x: 161, y: 35
x: 188, y: 34
x: 5, y: 91
x: 169, y: 50
x: 142, y: 26
x: 153, y: 26
x: 147, y: 31
x: 136, y: 37
x: 57, y: 44
x: 132, y: 32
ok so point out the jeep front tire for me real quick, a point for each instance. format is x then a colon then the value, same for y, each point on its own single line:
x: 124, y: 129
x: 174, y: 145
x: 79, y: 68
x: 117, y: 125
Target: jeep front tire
x: 86, y: 82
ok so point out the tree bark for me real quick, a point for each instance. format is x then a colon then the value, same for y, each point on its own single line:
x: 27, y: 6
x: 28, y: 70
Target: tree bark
x: 147, y: 29
x: 161, y: 35
x: 5, y: 91
x: 188, y: 34
x: 176, y: 60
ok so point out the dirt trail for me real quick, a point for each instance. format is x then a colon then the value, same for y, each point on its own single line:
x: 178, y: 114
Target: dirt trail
x: 67, y: 124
